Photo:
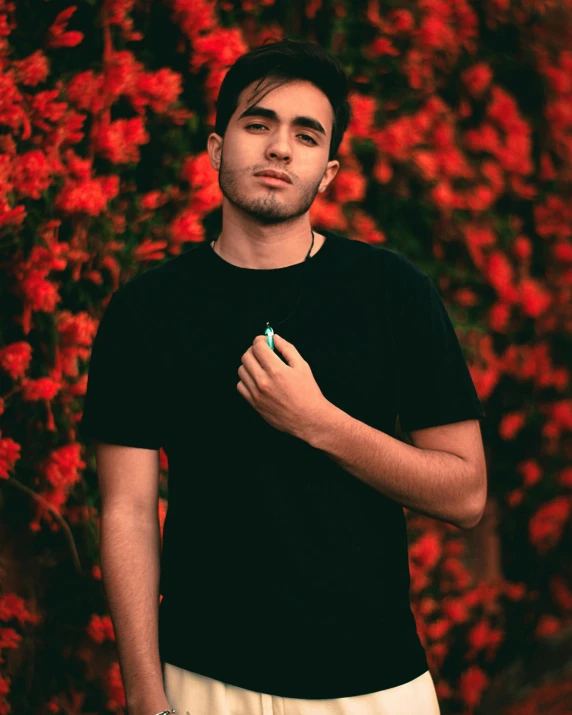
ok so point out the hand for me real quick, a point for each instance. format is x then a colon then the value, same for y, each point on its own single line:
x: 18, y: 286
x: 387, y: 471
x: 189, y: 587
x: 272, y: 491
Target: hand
x: 286, y: 395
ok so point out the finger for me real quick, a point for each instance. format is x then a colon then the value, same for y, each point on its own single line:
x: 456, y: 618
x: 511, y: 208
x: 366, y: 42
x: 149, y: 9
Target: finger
x: 292, y: 356
x: 241, y: 387
x: 267, y: 358
x: 247, y: 380
x: 255, y: 369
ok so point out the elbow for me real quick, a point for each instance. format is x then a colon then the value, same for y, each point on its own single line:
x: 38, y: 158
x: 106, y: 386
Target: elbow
x: 475, y: 502
x: 469, y: 522
x: 473, y: 511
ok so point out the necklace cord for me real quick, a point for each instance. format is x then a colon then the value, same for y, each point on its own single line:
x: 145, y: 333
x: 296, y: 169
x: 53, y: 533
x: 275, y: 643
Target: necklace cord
x: 301, y: 289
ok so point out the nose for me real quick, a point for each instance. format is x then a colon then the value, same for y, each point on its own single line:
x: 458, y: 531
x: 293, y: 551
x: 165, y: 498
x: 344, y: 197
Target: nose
x: 279, y: 148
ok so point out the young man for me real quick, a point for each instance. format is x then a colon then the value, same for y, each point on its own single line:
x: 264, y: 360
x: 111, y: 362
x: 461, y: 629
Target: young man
x: 284, y: 570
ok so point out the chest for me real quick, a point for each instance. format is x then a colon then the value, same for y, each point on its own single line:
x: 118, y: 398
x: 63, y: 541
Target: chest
x: 342, y: 329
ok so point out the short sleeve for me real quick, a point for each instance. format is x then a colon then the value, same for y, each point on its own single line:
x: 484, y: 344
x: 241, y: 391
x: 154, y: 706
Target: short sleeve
x: 121, y: 402
x: 435, y: 385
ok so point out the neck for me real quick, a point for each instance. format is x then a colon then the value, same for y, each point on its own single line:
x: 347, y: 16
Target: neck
x: 280, y: 253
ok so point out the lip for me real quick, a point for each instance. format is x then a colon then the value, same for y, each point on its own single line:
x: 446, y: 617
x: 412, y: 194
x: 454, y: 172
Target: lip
x: 271, y: 173
x: 272, y: 180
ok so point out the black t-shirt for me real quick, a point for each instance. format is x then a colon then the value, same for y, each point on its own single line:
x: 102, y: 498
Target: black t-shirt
x: 280, y: 571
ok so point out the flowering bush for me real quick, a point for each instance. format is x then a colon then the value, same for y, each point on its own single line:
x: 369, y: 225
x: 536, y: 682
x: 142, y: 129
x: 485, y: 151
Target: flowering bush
x: 459, y: 155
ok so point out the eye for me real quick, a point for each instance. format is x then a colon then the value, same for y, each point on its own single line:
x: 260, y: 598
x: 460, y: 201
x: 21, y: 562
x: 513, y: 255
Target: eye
x: 257, y: 124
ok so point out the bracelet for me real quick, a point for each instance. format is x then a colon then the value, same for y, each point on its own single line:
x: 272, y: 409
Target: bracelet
x: 165, y: 712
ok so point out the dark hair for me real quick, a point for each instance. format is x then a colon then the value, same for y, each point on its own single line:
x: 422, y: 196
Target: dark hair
x: 280, y: 61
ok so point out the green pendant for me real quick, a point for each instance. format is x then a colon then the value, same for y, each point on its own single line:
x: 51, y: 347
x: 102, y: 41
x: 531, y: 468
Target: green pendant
x: 269, y: 336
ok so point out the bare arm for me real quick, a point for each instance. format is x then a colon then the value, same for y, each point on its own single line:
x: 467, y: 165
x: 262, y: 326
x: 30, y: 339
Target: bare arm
x: 130, y: 550
x: 437, y: 483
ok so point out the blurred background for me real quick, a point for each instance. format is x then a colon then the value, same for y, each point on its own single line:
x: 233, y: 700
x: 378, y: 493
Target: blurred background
x: 458, y: 155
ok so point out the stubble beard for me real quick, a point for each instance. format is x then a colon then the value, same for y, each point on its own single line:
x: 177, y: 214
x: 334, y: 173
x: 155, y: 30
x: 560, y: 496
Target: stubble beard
x: 267, y: 206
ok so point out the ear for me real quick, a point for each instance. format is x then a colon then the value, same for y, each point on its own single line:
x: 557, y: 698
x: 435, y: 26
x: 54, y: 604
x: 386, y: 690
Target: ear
x: 329, y: 174
x: 214, y: 148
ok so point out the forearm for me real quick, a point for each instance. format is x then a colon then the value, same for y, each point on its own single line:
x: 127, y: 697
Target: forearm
x: 130, y: 562
x: 435, y: 483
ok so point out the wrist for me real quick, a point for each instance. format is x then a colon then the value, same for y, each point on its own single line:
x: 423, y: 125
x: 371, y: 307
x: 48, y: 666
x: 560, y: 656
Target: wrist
x: 325, y: 422
x: 149, y: 705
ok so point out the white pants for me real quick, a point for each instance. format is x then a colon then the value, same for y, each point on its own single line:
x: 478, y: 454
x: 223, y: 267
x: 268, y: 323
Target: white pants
x: 194, y: 694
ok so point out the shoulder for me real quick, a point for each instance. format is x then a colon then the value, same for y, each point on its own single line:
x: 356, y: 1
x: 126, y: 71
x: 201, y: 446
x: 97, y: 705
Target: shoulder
x: 154, y: 288
x: 400, y: 274
x: 401, y: 266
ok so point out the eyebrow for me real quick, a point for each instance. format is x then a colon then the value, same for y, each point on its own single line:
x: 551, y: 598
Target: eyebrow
x: 257, y: 111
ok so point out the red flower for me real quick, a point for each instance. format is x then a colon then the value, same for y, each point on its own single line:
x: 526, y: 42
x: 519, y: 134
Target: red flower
x: 426, y: 551
x: 15, y: 358
x: 186, y: 227
x: 515, y: 590
x: 100, y: 629
x: 382, y: 172
x: 477, y: 78
x: 530, y: 471
x: 31, y: 174
x: 350, y: 185
x: 565, y: 477
x: 546, y: 526
x: 197, y: 170
x: 32, y: 69
x: 500, y: 274
x: 561, y: 592
x: 535, y: 299
x: 511, y: 424
x: 553, y: 218
x: 363, y: 115
x: 471, y: 685
x: 548, y: 625
x: 158, y: 89
x: 221, y: 46
x: 84, y: 90
x: 13, y: 607
x: 120, y: 141
x: 428, y: 164
x: 434, y: 33
x: 438, y: 629
x: 481, y: 636
x: 62, y: 467
x: 514, y: 497
x: 327, y: 213
x: 366, y: 228
x: 383, y: 46
x: 114, y: 688
x: 401, y: 21
x: 9, y: 455
x: 152, y: 199
x: 88, y: 196
x: 57, y: 35
x: 455, y: 609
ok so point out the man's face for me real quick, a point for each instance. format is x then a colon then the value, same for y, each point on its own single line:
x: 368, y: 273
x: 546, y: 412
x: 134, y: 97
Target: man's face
x: 257, y: 142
